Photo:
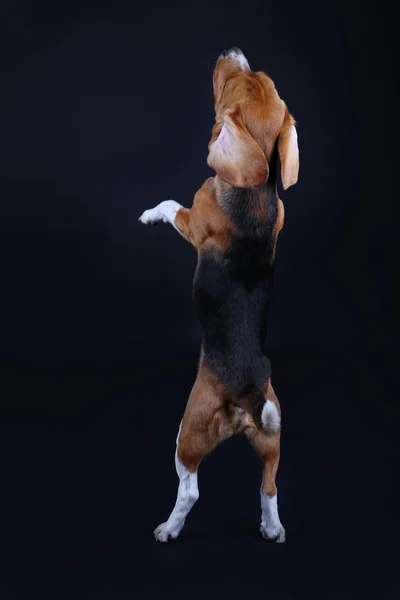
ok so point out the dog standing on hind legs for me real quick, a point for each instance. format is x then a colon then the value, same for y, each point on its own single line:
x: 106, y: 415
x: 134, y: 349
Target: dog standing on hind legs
x: 234, y: 225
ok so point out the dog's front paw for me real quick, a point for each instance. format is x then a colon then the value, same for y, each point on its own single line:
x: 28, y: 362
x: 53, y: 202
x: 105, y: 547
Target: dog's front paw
x: 165, y: 211
x: 151, y: 216
x: 273, y: 534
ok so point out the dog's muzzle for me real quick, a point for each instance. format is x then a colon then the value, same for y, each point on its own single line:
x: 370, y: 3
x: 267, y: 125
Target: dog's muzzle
x: 234, y: 53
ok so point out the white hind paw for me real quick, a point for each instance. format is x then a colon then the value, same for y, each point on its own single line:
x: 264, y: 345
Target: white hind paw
x: 273, y: 534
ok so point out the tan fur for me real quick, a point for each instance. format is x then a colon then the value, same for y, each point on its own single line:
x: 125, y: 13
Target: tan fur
x: 249, y: 106
x: 210, y: 418
x: 248, y: 102
x: 235, y: 155
x: 288, y: 152
x: 267, y: 447
x: 205, y: 221
x: 279, y: 224
x: 255, y: 121
x: 263, y: 115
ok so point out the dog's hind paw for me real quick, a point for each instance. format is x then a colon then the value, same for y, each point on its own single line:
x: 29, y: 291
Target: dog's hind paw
x: 273, y: 534
x: 163, y: 533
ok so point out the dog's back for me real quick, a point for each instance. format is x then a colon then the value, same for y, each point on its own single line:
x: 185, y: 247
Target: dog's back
x: 232, y: 290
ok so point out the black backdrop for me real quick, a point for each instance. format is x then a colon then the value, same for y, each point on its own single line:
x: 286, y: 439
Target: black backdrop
x: 107, y: 109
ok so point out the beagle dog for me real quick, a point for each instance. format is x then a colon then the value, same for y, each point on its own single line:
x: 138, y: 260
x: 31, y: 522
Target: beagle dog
x: 234, y: 225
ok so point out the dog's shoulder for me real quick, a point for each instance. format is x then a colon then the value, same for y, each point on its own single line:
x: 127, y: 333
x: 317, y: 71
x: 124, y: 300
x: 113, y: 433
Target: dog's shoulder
x: 235, y: 220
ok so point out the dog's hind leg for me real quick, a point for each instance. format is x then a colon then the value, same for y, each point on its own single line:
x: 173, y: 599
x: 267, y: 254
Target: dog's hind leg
x: 267, y: 445
x: 206, y: 423
x: 188, y: 493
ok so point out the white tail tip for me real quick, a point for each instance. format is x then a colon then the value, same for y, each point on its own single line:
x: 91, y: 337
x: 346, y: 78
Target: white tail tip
x: 270, y: 417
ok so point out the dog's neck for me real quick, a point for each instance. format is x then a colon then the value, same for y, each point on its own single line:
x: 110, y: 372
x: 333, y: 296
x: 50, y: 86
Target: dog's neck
x: 225, y: 191
x: 259, y: 200
x: 253, y: 211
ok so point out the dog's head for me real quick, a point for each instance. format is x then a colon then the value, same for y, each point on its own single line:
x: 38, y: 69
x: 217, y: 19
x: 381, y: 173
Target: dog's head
x: 250, y: 119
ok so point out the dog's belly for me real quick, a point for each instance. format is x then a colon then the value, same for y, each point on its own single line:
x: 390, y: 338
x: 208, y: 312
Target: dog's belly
x: 232, y: 305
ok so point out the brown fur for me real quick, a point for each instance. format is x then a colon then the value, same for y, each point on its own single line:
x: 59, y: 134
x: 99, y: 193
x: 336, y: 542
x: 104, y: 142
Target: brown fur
x: 210, y: 418
x: 205, y: 221
x: 235, y: 233
x: 247, y: 105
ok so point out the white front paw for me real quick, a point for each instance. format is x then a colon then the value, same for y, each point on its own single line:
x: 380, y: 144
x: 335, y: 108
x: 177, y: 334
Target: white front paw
x: 165, y: 211
x: 151, y: 216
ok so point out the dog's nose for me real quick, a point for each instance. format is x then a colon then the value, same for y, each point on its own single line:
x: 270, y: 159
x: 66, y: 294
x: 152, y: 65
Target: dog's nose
x: 231, y: 50
x: 237, y: 57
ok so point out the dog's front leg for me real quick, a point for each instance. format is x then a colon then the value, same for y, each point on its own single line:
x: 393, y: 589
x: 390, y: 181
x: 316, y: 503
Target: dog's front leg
x: 169, y: 211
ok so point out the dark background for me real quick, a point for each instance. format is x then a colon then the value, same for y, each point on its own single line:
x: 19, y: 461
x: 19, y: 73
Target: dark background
x: 106, y: 110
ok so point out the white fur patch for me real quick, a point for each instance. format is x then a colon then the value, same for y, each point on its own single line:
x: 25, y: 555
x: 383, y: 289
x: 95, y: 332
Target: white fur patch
x: 239, y: 58
x: 242, y: 60
x: 270, y: 417
x: 165, y: 211
x: 271, y: 528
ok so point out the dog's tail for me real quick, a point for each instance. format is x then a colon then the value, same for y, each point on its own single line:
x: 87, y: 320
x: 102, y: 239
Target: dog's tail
x: 264, y: 412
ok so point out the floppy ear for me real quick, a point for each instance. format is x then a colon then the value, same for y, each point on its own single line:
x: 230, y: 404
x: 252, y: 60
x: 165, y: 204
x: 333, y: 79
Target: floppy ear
x: 288, y: 152
x: 235, y: 155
